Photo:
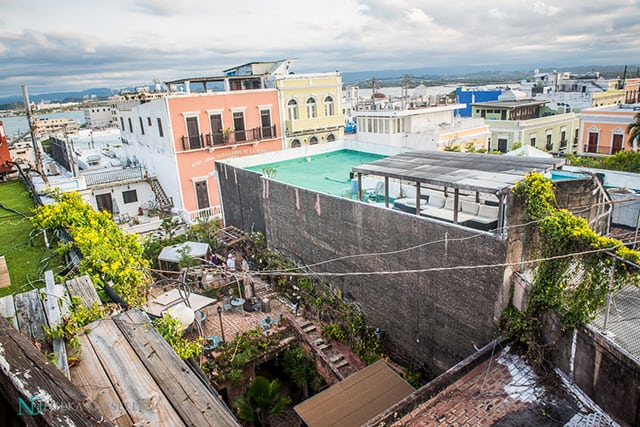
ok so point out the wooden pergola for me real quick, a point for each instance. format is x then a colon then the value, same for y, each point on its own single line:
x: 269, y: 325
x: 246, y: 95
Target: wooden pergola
x: 473, y: 172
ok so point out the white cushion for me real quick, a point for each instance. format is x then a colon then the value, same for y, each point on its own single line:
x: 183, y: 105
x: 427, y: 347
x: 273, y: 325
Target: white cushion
x: 488, y: 211
x: 469, y: 207
x: 436, y: 201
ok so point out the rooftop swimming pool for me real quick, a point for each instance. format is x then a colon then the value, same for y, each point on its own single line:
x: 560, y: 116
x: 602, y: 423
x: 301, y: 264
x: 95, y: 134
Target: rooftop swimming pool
x: 326, y: 173
x: 564, y: 175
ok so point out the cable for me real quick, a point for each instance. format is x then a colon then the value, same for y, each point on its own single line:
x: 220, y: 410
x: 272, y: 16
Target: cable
x: 432, y: 269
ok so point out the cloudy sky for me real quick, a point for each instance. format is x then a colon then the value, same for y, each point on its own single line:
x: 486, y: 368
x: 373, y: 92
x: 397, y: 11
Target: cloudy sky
x: 73, y: 45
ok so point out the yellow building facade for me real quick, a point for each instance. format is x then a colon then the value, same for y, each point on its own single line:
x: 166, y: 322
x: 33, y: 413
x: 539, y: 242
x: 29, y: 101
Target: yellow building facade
x: 311, y: 108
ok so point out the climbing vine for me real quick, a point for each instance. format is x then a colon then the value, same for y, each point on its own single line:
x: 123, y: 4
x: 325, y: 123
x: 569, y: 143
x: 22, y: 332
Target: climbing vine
x: 576, y: 272
x: 108, y: 254
x: 171, y: 330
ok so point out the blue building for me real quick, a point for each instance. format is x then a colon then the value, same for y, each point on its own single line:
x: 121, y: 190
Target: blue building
x: 470, y: 96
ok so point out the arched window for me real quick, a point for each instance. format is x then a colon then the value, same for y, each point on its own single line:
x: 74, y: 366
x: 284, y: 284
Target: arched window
x: 331, y: 137
x: 292, y: 106
x: 328, y: 106
x: 313, y: 140
x: 312, y: 109
x: 295, y: 143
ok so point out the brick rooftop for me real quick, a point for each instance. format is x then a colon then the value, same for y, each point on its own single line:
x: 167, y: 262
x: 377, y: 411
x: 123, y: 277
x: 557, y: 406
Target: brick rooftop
x: 499, y: 388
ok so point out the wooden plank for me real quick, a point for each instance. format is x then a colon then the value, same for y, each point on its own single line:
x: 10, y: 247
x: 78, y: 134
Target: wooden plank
x: 189, y: 396
x: 143, y: 400
x: 54, y: 317
x: 5, y: 279
x: 83, y: 287
x: 8, y: 310
x: 26, y: 376
x: 90, y: 377
x: 60, y: 292
x: 30, y: 314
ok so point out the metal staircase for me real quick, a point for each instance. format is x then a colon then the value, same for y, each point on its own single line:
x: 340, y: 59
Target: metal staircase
x: 164, y: 202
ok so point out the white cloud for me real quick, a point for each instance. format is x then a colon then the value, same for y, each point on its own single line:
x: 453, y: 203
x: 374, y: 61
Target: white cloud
x: 541, y: 8
x: 121, y: 42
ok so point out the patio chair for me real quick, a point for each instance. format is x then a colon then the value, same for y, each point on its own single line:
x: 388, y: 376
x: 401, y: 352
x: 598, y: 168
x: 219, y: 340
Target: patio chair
x: 226, y: 303
x: 373, y: 192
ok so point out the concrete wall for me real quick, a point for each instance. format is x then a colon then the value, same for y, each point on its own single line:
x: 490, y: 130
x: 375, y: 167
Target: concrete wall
x: 605, y: 372
x: 435, y: 318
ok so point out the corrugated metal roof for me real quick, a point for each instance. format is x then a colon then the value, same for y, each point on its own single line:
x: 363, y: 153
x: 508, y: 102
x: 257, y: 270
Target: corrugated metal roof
x: 487, y: 173
x: 357, y: 399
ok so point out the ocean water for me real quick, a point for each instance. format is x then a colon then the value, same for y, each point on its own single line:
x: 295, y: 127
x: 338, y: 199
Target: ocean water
x: 19, y: 124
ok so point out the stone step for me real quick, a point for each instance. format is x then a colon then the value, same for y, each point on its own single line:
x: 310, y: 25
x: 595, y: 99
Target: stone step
x: 318, y: 341
x: 335, y: 358
x: 309, y: 329
x: 323, y: 346
x: 341, y: 363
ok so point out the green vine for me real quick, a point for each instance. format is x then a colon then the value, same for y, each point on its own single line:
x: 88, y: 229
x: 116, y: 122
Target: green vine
x: 171, y: 330
x: 575, y: 275
x: 79, y: 316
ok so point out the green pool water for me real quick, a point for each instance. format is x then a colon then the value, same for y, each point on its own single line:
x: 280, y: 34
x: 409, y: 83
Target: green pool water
x: 327, y: 173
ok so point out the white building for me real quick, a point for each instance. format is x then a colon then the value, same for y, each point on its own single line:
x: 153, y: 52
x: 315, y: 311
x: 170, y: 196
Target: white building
x: 432, y: 128
x: 99, y: 116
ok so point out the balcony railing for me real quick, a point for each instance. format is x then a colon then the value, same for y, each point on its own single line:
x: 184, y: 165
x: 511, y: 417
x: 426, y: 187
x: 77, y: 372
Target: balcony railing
x: 115, y: 175
x: 202, y: 215
x: 192, y: 142
x: 219, y: 139
x: 602, y: 149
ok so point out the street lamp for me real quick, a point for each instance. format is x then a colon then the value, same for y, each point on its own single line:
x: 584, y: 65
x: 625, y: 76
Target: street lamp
x: 219, y: 309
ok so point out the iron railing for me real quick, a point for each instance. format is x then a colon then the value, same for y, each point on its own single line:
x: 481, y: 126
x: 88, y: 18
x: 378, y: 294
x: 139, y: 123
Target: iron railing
x: 219, y: 139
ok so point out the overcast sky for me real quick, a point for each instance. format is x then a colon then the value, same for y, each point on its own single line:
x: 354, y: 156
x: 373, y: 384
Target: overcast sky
x: 74, y: 45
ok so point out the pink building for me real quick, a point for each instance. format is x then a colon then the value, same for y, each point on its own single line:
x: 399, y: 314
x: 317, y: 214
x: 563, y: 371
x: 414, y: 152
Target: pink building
x: 179, y: 137
x: 603, y: 129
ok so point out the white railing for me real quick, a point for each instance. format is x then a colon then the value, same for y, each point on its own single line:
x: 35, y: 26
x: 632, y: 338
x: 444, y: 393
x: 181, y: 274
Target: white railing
x: 202, y: 215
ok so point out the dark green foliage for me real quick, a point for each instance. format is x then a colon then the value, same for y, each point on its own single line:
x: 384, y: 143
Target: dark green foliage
x: 261, y: 400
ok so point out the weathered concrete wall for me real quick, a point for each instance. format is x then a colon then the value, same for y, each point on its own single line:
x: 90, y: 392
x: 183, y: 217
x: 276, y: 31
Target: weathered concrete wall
x: 607, y: 374
x: 433, y: 318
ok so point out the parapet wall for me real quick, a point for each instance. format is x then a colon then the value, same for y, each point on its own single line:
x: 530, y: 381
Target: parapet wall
x: 606, y: 373
x: 436, y: 312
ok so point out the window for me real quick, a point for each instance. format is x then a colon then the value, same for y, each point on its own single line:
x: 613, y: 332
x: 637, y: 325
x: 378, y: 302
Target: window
x: 331, y: 137
x: 616, y: 143
x: 202, y: 194
x: 149, y: 121
x: 193, y: 134
x: 130, y: 125
x: 549, y: 145
x: 141, y: 125
x: 328, y: 106
x: 295, y: 143
x: 122, y: 123
x: 160, y: 131
x: 313, y: 140
x: 218, y: 136
x: 238, y: 126
x: 312, y: 110
x: 130, y: 196
x: 502, y: 145
x: 104, y: 202
x: 592, y: 142
x: 563, y: 137
x: 265, y: 124
x: 292, y: 107
x: 533, y: 141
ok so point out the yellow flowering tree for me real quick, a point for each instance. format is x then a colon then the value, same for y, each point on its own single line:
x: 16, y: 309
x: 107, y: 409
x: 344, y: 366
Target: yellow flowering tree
x: 108, y: 254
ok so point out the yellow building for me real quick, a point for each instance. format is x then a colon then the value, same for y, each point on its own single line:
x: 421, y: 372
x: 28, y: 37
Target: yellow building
x: 612, y: 96
x: 311, y: 108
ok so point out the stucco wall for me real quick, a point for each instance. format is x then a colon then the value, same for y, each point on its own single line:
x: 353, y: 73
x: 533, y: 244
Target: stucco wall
x: 607, y: 374
x: 433, y: 319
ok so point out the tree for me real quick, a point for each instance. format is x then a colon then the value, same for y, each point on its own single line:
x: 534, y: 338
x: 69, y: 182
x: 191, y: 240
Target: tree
x: 633, y: 130
x: 301, y: 370
x: 261, y: 400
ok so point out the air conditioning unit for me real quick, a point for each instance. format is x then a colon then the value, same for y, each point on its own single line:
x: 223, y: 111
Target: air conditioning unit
x: 51, y: 168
